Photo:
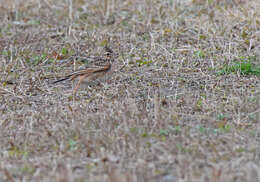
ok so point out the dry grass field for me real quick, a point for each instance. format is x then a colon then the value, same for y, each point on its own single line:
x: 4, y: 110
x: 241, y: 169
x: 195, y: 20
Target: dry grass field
x: 183, y: 104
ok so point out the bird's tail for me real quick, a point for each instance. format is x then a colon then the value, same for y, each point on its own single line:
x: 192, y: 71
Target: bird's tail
x: 66, y: 78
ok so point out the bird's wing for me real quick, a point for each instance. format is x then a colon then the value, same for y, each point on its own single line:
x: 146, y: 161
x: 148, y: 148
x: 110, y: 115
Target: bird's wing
x: 86, y: 71
x: 90, y: 70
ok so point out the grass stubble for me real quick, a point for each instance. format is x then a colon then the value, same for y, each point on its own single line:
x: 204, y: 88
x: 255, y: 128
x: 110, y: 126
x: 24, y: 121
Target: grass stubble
x: 184, y: 107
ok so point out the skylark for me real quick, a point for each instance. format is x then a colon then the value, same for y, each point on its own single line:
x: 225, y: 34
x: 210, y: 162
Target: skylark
x: 97, y: 68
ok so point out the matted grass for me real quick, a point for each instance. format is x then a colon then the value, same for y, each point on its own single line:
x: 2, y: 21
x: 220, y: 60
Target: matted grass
x: 182, y: 105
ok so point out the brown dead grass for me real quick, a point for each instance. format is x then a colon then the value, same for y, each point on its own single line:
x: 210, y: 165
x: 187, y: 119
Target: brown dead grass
x: 166, y: 116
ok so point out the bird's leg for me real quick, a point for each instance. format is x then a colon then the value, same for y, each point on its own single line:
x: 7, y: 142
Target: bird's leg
x: 81, y: 78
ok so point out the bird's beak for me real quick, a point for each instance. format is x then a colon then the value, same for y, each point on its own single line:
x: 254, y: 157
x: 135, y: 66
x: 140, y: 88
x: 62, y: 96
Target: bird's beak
x: 115, y: 55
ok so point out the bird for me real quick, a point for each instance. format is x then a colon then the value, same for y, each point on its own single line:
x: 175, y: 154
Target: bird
x: 97, y: 68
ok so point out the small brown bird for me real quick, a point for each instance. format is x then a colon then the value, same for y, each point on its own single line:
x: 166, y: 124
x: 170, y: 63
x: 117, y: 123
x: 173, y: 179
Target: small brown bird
x: 96, y: 69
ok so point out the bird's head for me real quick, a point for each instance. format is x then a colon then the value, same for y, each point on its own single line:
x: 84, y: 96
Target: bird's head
x: 109, y: 54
